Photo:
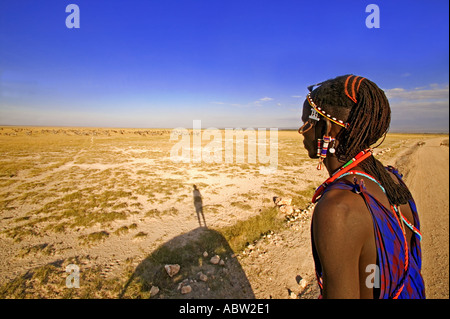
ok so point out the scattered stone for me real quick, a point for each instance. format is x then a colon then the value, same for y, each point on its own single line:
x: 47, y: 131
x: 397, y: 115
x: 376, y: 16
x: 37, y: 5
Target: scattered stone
x: 186, y: 289
x: 215, y: 260
x: 221, y: 262
x: 303, y: 284
x: 172, y: 270
x: 287, y: 209
x: 154, y: 291
x: 185, y: 282
x: 205, y: 254
x: 283, y: 201
x: 202, y: 277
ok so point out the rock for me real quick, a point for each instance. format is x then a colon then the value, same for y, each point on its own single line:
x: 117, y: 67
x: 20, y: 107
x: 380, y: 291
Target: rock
x: 221, y: 262
x: 186, y: 289
x: 205, y: 254
x: 154, y: 291
x: 303, y: 283
x: 215, y: 260
x: 283, y: 201
x: 287, y: 209
x: 202, y: 277
x: 172, y: 270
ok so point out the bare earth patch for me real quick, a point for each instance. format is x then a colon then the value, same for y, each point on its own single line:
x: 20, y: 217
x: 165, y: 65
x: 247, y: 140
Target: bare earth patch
x: 112, y: 202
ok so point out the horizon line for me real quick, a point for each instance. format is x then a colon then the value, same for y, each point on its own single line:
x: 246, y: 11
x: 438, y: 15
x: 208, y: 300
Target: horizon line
x: 397, y: 131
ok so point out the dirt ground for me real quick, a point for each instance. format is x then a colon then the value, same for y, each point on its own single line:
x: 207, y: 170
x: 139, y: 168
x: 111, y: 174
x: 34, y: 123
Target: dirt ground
x: 428, y: 179
x: 276, y: 267
x: 144, y: 204
x: 107, y: 200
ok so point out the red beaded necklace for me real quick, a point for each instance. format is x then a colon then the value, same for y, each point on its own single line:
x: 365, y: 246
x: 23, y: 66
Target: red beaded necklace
x: 361, y: 156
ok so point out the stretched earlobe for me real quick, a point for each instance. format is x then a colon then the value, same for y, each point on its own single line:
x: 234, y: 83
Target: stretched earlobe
x: 325, y: 145
x: 331, y: 148
x: 324, y: 149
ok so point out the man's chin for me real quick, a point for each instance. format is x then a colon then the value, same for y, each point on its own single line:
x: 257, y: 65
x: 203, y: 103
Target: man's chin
x: 311, y: 153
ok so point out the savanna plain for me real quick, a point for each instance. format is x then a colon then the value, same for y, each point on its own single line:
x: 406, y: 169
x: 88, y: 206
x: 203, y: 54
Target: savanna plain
x: 114, y: 203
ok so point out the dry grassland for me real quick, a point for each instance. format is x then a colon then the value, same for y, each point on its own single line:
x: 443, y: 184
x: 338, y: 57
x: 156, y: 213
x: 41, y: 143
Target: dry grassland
x: 112, y: 202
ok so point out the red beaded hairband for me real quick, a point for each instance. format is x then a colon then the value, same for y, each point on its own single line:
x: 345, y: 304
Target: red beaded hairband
x: 355, y: 80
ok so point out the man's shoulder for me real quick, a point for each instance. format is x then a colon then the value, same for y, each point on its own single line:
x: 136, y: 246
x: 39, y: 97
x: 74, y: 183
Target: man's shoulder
x: 341, y: 200
x: 342, y: 208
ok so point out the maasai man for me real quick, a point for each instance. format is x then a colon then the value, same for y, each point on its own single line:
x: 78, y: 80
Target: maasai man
x: 365, y: 227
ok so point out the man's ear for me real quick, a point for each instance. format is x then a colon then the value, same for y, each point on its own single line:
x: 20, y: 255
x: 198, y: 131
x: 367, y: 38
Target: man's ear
x: 334, y: 132
x: 328, y: 132
x: 333, y: 129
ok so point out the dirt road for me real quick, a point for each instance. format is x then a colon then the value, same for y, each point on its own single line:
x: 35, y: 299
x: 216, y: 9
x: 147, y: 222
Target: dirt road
x: 428, y: 180
x: 278, y: 265
x: 285, y: 259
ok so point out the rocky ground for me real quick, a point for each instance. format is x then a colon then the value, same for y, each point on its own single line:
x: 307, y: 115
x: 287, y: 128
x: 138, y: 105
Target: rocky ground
x: 126, y: 258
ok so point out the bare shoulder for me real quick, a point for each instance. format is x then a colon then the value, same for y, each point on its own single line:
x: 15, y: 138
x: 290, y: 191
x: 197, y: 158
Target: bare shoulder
x: 341, y: 230
x: 342, y: 213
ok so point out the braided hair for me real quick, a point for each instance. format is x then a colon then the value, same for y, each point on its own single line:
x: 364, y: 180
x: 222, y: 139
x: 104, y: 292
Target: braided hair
x: 364, y: 106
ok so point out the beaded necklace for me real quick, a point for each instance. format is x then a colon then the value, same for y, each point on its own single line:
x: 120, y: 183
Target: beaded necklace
x: 343, y: 170
x: 361, y: 156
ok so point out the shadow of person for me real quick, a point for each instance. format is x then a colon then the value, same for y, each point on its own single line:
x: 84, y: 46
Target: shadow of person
x: 225, y: 280
x: 198, y: 204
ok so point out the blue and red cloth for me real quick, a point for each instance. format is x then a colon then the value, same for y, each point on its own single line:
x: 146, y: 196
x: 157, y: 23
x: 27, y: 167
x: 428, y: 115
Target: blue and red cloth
x: 400, y: 267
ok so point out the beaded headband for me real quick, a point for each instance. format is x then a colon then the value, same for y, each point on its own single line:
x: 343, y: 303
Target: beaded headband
x: 318, y: 110
x: 351, y: 94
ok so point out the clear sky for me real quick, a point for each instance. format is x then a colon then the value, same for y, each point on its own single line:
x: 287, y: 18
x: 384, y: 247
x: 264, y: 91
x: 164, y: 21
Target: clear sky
x: 228, y: 63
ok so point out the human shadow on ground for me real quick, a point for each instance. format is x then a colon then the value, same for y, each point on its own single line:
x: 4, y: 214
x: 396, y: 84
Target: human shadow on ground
x: 224, y: 280
x: 198, y: 204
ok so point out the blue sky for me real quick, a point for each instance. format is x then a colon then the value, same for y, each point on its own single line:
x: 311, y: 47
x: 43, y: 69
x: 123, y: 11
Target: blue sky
x: 149, y: 63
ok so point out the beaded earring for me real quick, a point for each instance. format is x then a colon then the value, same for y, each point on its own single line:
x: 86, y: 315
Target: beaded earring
x: 322, y: 146
x: 319, y: 146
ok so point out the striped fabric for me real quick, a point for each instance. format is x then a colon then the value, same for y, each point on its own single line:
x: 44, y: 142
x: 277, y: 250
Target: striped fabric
x: 399, y: 268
